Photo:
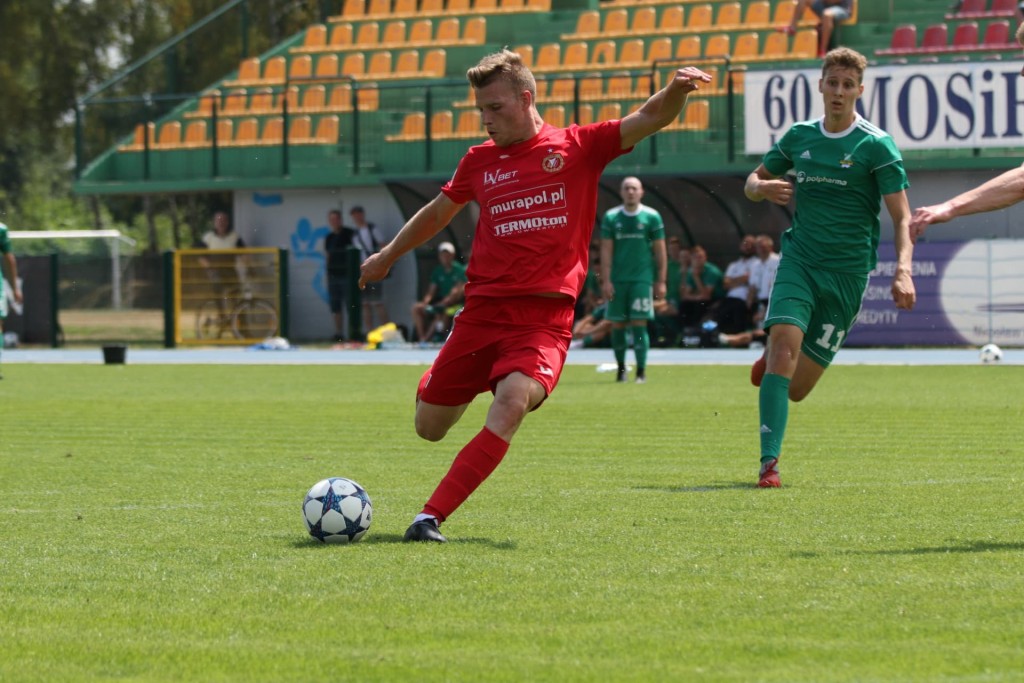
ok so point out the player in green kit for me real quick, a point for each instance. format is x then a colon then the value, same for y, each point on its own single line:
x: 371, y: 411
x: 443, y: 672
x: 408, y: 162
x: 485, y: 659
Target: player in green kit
x: 844, y: 167
x: 11, y: 266
x: 633, y: 270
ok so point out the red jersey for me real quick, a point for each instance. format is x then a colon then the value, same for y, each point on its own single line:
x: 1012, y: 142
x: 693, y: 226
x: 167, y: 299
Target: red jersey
x: 537, y: 203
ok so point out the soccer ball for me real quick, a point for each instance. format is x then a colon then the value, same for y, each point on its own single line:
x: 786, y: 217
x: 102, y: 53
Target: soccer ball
x: 337, y: 510
x: 990, y: 353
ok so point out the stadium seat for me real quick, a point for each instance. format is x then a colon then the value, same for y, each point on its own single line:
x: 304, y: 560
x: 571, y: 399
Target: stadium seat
x: 368, y: 34
x: 776, y: 47
x: 300, y: 130
x: 314, y: 99
x: 469, y: 125
x: 591, y: 87
x: 619, y: 87
x: 903, y: 41
x: 632, y: 54
x: 404, y: 8
x: 616, y: 22
x: 485, y: 6
x: 431, y: 8
x: 379, y: 9
x: 458, y: 7
x: 997, y: 36
x: 341, y: 98
x: 584, y: 114
x: 414, y: 127
x: 688, y: 47
x: 475, y: 32
x: 965, y: 37
x: 659, y: 49
x: 696, y: 116
x: 275, y: 70
x: 354, y: 9
x: 758, y: 15
x: 805, y: 44
x: 555, y: 115
x: 700, y: 18
x: 300, y: 67
x: 206, y: 102
x: 315, y: 38
x: 247, y: 132
x: 936, y: 38
x: 248, y: 71
x: 170, y: 135
x: 327, y: 130
x: 435, y: 63
x: 525, y: 53
x: 291, y: 97
x: 718, y: 45
x: 394, y: 34
x: 609, y: 112
x: 644, y: 21
x: 511, y: 5
x: 604, y: 52
x: 368, y: 97
x: 262, y: 101
x: 273, y: 131
x: 442, y: 124
x: 235, y: 102
x: 195, y: 134
x: 225, y: 131
x: 1003, y: 8
x: 448, y: 32
x: 341, y: 35
x: 353, y: 65
x: 548, y: 57
x: 575, y: 56
x: 326, y: 66
x: 671, y: 20
x: 562, y: 90
x: 380, y: 64
x: 747, y: 47
x: 728, y: 18
x: 407, y: 65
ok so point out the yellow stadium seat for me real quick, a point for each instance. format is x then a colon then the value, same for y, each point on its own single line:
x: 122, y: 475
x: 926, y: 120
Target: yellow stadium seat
x: 591, y: 87
x: 776, y: 45
x: 805, y: 44
x: 300, y: 67
x: 435, y: 63
x: 235, y: 102
x: 247, y: 132
x: 728, y: 17
x: 408, y: 64
x: 562, y: 90
x: 327, y: 130
x: 758, y: 15
x: 170, y: 134
x: 327, y: 66
x: 609, y: 112
x: 368, y: 97
x: 404, y: 8
x: 616, y: 22
x: 475, y: 32
x: 588, y: 24
x: 575, y: 55
x: 273, y: 131
x: 380, y: 64
x: 585, y: 114
x: 353, y: 9
x: 414, y: 127
x: 747, y: 47
x: 300, y: 130
x: 368, y: 34
x: 659, y: 49
x: 274, y: 71
x: 458, y: 7
x: 262, y: 101
x: 354, y: 64
x: 448, y: 31
x: 341, y: 98
x: 632, y: 53
x: 314, y: 99
x: 394, y: 34
x: 431, y: 7
x: 717, y: 45
x: 603, y: 53
x: 671, y: 19
x: 688, y: 47
x: 442, y: 124
x: 341, y: 35
x: 195, y: 134
x: 315, y: 38
x: 700, y: 18
x: 549, y: 57
x: 525, y: 53
x: 380, y: 9
x: 643, y: 21
x: 555, y: 115
x: 469, y: 125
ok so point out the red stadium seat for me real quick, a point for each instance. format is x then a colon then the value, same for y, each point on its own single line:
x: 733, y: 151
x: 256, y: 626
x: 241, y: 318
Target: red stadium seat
x: 966, y: 36
x: 904, y: 41
x: 997, y: 36
x: 936, y: 38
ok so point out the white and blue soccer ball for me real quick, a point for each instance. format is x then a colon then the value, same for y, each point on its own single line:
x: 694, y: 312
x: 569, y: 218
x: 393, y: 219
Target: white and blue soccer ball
x: 337, y: 510
x: 990, y: 353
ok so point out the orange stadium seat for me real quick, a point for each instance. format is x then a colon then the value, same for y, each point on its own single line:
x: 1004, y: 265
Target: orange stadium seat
x: 700, y: 18
x: 195, y: 134
x: 327, y: 66
x: 718, y: 45
x: 316, y: 37
x: 525, y: 52
x: 458, y: 7
x: 758, y: 16
x: 225, y: 131
x: 805, y: 44
x: 300, y: 67
x: 407, y: 64
x: 273, y: 131
x: 728, y: 17
x: 328, y: 130
x: 262, y: 101
x: 688, y: 47
x: 368, y: 97
x: 431, y: 7
x: 342, y: 35
x: 555, y: 115
x: 235, y: 102
x: 353, y: 65
x: 394, y: 34
x: 609, y: 112
x: 341, y: 98
x: 275, y: 69
x: 603, y: 52
x: 585, y: 114
x: 170, y: 134
x: 380, y: 9
x: 435, y: 63
x: 470, y: 125
x: 616, y: 22
x: 671, y: 19
x: 659, y: 49
x: 442, y: 124
x: 776, y: 46
x: 353, y: 9
x: 404, y: 8
x: 747, y: 47
x: 414, y: 127
x: 475, y: 32
x: 575, y: 56
x: 300, y: 129
x: 644, y: 21
x: 562, y: 90
x: 380, y: 64
x: 247, y: 132
x: 549, y: 57
x: 314, y: 99
x: 631, y: 54
x: 447, y: 31
x: 368, y: 34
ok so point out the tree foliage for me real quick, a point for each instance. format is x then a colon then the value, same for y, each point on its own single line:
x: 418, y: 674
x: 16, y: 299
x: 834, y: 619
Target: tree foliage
x: 56, y: 52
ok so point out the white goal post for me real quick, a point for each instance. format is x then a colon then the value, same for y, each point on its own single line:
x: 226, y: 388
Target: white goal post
x: 113, y: 237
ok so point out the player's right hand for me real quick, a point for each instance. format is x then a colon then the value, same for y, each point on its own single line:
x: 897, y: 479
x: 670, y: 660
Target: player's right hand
x: 374, y: 269
x: 776, y: 190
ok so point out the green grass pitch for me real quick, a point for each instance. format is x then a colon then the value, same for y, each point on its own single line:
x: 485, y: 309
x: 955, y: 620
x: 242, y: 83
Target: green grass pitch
x: 152, y: 531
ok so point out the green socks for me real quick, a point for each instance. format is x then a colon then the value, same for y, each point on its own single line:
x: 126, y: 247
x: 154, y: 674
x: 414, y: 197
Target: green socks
x: 774, y: 404
x: 619, y: 345
x: 641, y: 342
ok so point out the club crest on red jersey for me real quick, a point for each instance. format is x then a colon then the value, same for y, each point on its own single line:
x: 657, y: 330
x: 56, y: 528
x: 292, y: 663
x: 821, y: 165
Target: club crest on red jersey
x: 553, y: 163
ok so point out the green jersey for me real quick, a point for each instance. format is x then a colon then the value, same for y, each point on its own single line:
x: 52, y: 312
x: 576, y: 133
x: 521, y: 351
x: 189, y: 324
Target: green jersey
x: 840, y: 180
x: 5, y: 240
x: 631, y: 235
x: 445, y: 280
x: 711, y: 277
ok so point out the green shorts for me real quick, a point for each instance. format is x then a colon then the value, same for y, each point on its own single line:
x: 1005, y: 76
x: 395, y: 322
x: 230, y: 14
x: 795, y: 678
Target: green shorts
x: 633, y: 301
x: 822, y: 303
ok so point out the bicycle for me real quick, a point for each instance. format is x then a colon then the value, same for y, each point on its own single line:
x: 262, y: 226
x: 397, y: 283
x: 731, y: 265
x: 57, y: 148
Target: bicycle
x: 245, y: 316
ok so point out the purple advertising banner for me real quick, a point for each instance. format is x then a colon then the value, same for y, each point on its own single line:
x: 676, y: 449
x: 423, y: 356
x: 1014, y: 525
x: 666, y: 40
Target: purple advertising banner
x: 968, y: 293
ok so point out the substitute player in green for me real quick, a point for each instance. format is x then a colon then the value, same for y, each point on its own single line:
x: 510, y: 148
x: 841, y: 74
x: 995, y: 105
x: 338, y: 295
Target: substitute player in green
x: 633, y: 270
x: 844, y: 167
x: 10, y: 265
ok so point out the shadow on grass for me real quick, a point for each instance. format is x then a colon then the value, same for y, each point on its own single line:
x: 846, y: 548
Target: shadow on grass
x: 374, y: 539
x: 975, y: 547
x: 703, y: 488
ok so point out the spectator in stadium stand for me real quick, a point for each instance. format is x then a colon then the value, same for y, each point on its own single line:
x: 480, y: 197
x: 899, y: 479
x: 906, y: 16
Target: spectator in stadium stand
x: 830, y: 13
x: 536, y: 186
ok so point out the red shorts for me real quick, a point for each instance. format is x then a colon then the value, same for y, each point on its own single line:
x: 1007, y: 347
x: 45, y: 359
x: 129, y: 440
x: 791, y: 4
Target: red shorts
x: 493, y: 337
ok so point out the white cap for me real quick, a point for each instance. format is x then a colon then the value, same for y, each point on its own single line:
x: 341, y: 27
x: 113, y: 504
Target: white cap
x: 446, y: 246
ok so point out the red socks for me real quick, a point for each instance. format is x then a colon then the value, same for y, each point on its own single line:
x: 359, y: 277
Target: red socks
x: 472, y: 465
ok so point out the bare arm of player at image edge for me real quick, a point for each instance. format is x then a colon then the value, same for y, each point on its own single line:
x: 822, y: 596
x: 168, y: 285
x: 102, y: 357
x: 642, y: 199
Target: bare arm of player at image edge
x: 1000, y: 192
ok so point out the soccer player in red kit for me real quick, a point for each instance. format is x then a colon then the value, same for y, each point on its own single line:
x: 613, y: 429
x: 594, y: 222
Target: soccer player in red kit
x: 536, y: 186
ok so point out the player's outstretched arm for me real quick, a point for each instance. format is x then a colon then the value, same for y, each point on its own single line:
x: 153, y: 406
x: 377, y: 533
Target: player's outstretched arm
x: 427, y: 222
x: 763, y: 185
x: 903, y: 291
x: 662, y: 108
x: 1000, y: 192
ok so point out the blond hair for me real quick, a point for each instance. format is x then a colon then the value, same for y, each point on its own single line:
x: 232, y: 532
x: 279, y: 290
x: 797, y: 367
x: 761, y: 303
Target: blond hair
x: 845, y: 58
x: 505, y: 65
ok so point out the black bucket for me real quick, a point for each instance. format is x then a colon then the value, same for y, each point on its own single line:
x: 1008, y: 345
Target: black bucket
x: 114, y: 354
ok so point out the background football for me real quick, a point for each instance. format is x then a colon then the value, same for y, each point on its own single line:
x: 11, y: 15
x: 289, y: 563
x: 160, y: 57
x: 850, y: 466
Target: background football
x: 990, y: 353
x: 337, y: 510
